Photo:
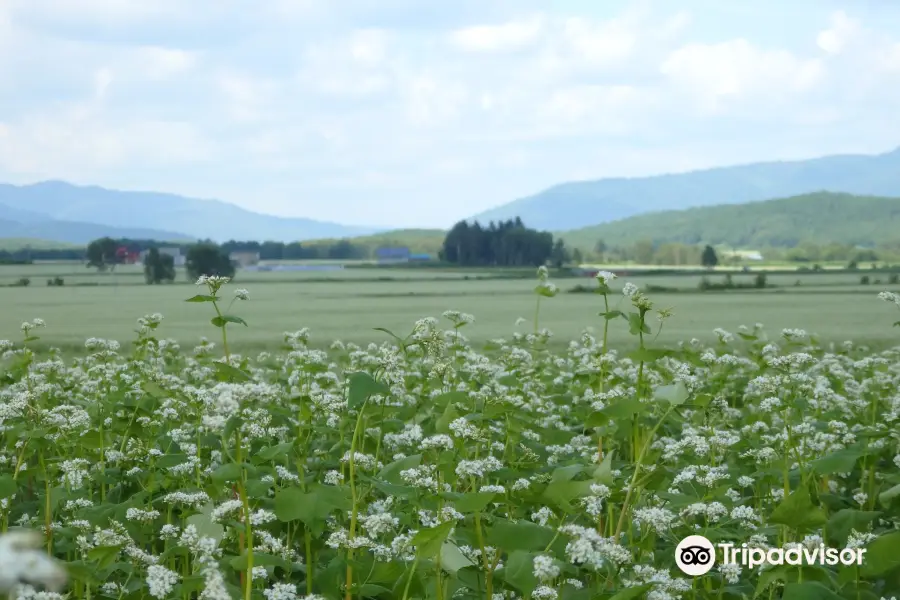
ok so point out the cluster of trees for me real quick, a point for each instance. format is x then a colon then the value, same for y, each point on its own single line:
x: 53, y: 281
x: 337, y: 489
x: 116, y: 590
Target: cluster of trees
x: 509, y: 244
x: 204, y: 258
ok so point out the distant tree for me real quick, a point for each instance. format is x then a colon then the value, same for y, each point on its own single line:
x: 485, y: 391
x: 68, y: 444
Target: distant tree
x: 600, y: 248
x: 207, y: 259
x: 101, y: 254
x: 508, y: 243
x: 158, y: 267
x: 577, y: 257
x: 709, y: 259
x: 644, y: 252
x: 560, y: 254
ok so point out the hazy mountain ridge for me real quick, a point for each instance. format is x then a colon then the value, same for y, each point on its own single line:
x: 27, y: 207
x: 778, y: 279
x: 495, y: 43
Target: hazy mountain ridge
x: 75, y: 232
x: 822, y: 217
x: 580, y: 204
x: 147, y: 211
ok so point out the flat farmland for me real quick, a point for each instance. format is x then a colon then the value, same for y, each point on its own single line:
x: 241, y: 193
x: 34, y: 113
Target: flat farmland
x: 349, y: 310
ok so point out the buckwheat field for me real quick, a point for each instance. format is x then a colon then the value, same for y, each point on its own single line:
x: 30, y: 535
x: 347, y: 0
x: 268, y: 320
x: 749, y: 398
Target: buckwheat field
x: 423, y: 467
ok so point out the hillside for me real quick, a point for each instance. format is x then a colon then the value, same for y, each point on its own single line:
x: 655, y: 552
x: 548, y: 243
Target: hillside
x: 823, y: 217
x: 212, y: 219
x: 419, y: 241
x: 579, y: 204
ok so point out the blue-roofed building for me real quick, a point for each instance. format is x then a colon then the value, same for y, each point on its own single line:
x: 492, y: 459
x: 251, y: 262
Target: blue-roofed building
x: 398, y: 254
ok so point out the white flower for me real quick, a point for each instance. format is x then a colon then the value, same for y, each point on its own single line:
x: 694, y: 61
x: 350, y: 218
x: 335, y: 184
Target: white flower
x: 22, y: 563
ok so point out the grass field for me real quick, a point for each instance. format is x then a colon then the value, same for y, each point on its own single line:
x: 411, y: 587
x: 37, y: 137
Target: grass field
x: 350, y: 303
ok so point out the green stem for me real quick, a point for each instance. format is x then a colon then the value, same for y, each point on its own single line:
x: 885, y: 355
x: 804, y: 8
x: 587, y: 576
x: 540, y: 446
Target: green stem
x: 637, y: 470
x: 354, y: 515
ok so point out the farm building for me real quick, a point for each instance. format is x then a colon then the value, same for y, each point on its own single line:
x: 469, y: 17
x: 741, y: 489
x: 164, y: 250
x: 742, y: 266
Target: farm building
x: 244, y: 259
x: 388, y: 256
x: 419, y: 257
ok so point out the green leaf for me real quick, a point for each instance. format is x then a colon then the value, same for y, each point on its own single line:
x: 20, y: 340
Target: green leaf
x: 561, y: 493
x: 630, y: 593
x: 603, y: 473
x: 452, y: 558
x: 809, y: 590
x: 473, y: 502
x: 221, y: 321
x: 841, y: 461
x: 612, y: 314
x: 428, y: 542
x: 675, y: 394
x: 206, y: 527
x: 442, y: 425
x: 229, y: 373
x: 228, y: 472
x: 843, y: 521
x: 636, y: 324
x: 770, y: 576
x: 625, y: 408
x: 104, y: 555
x: 8, y: 486
x: 566, y: 473
x: 361, y: 387
x: 311, y: 508
x: 201, y: 298
x: 882, y: 555
x: 798, y: 512
x: 649, y: 355
x: 391, y: 472
x: 272, y: 452
x: 887, y: 496
x: 521, y: 535
x: 153, y: 389
x: 519, y: 572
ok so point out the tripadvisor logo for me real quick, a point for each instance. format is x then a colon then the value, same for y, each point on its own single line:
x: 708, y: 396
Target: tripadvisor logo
x: 695, y: 555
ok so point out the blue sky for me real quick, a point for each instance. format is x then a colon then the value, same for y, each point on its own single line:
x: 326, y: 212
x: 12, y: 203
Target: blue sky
x: 419, y: 112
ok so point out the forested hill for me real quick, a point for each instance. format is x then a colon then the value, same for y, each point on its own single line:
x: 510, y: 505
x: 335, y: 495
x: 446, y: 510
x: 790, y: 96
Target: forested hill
x: 822, y: 217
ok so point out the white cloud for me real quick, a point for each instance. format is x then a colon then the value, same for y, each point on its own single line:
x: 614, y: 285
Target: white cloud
x: 842, y: 31
x: 737, y: 70
x: 393, y: 116
x: 498, y: 38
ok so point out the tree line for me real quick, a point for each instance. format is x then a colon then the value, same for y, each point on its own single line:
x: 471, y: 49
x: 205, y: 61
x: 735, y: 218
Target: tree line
x: 336, y: 250
x: 508, y: 243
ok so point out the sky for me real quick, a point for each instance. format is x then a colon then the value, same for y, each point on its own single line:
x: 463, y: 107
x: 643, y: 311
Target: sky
x: 418, y: 113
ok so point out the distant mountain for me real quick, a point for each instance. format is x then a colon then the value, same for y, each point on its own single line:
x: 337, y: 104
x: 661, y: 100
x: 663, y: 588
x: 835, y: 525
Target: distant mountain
x: 823, y: 217
x: 74, y: 232
x: 580, y: 204
x: 211, y: 219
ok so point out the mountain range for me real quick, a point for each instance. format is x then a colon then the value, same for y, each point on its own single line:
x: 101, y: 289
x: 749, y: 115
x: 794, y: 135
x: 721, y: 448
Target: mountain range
x: 62, y: 212
x: 59, y: 211
x: 580, y: 204
x: 822, y: 218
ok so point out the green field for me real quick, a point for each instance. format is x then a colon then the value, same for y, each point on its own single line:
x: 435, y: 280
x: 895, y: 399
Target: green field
x: 350, y: 303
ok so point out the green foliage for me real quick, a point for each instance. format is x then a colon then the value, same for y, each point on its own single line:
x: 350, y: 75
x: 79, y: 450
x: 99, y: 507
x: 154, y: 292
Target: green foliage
x: 158, y: 267
x: 208, y: 259
x: 709, y: 258
x: 509, y: 243
x: 101, y: 254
